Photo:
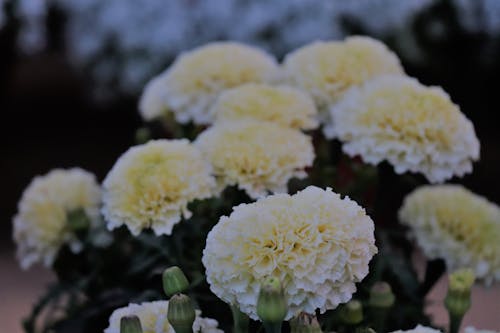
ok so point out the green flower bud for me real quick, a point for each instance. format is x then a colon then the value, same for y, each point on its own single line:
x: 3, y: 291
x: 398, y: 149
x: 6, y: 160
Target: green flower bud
x: 352, y: 313
x: 381, y: 295
x: 381, y: 300
x: 181, y: 313
x: 271, y: 304
x: 458, y: 298
x: 461, y: 281
x: 130, y: 324
x: 305, y: 323
x: 174, y: 281
x: 142, y: 135
x: 457, y: 305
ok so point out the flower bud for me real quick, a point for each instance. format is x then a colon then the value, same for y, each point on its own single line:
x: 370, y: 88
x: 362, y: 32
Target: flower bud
x: 174, y: 281
x: 271, y: 304
x: 381, y: 300
x: 381, y: 295
x: 305, y: 323
x: 181, y: 313
x: 461, y: 280
x: 130, y: 324
x: 457, y: 299
x: 352, y: 312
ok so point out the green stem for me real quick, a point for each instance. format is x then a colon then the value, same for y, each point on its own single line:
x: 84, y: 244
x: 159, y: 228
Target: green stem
x: 379, y: 318
x: 455, y: 322
x: 272, y: 327
x: 240, y: 321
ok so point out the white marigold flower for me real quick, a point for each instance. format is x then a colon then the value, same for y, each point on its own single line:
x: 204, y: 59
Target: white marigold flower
x: 327, y: 69
x: 41, y: 225
x: 414, y: 127
x: 196, y: 78
x: 150, y: 186
x: 471, y: 329
x: 282, y: 105
x: 452, y: 223
x: 315, y: 242
x: 153, y: 317
x: 257, y: 156
x: 419, y: 329
x: 151, y: 103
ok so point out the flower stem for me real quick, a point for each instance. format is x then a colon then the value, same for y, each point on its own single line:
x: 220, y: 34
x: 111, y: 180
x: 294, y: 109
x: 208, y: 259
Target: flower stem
x: 455, y: 322
x: 379, y: 316
x: 240, y: 320
x: 272, y: 327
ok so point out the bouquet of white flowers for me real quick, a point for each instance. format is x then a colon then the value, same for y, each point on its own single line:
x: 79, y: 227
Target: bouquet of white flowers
x: 267, y: 199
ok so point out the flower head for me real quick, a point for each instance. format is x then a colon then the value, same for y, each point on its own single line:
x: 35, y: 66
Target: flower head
x: 41, y: 225
x: 196, y: 78
x: 151, y: 184
x: 454, y: 224
x: 317, y: 244
x: 151, y: 103
x: 283, y: 105
x: 153, y: 317
x: 414, y: 127
x: 327, y: 69
x: 257, y: 156
x: 419, y: 329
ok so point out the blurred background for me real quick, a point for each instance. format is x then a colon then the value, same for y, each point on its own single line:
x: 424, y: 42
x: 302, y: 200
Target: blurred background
x: 71, y: 73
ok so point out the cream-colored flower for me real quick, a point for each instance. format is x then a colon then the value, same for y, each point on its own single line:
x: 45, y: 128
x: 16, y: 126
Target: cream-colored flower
x: 471, y: 329
x: 152, y: 102
x: 315, y: 242
x: 197, y: 77
x: 419, y: 329
x: 327, y: 69
x: 454, y: 224
x: 282, y: 105
x: 41, y: 225
x: 257, y: 156
x: 151, y: 184
x: 153, y: 317
x: 414, y: 127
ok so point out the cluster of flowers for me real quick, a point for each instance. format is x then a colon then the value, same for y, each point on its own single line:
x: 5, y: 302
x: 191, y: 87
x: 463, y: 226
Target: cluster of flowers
x: 315, y: 242
x: 362, y: 95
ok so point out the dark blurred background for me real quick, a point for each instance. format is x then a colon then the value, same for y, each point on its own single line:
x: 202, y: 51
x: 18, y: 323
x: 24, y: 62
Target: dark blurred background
x: 71, y: 72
